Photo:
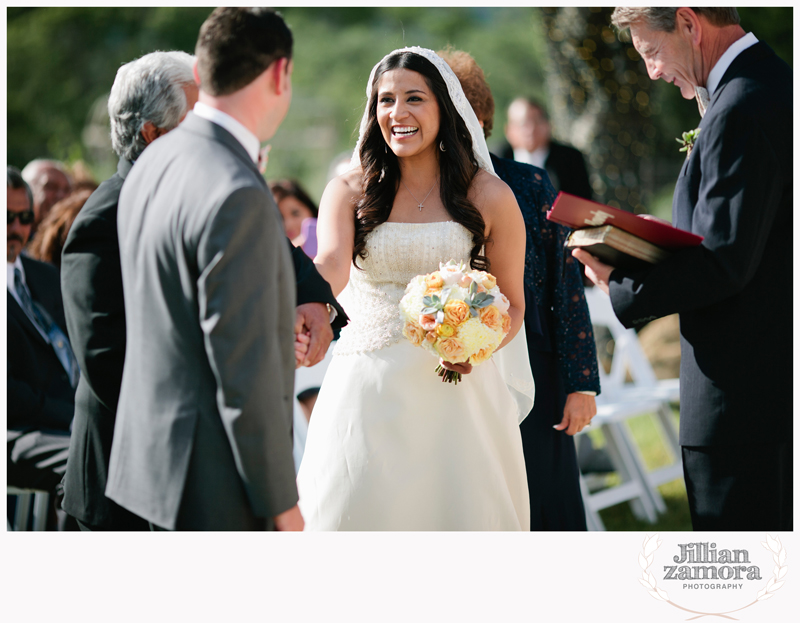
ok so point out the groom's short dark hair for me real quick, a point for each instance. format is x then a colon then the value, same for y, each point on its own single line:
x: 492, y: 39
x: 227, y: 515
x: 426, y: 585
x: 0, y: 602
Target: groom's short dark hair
x: 236, y: 45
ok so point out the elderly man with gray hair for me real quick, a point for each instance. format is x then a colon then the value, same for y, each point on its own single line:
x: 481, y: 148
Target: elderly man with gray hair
x: 150, y: 97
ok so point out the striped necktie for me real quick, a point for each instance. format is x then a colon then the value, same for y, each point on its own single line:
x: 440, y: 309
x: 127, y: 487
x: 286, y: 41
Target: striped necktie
x: 49, y: 329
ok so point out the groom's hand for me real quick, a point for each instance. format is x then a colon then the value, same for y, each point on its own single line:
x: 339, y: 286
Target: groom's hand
x: 315, y: 320
x: 290, y: 521
x: 598, y: 272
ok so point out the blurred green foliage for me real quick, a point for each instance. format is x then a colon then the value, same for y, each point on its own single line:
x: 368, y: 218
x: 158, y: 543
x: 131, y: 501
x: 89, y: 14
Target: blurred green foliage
x: 61, y: 63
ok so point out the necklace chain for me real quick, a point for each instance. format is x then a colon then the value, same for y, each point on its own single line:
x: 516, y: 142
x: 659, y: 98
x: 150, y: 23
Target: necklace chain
x: 420, y: 204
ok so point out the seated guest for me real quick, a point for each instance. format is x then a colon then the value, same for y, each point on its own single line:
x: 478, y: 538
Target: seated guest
x: 295, y: 206
x: 42, y: 371
x: 50, y: 183
x: 149, y: 97
x: 53, y: 231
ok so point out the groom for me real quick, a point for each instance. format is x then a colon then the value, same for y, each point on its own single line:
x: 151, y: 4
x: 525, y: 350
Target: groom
x: 733, y: 293
x: 203, y: 437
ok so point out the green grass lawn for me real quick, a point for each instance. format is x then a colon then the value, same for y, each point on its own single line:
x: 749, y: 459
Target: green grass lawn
x: 655, y: 453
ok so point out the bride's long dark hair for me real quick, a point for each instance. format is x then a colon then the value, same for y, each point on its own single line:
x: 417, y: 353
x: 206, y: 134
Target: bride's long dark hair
x: 457, y: 165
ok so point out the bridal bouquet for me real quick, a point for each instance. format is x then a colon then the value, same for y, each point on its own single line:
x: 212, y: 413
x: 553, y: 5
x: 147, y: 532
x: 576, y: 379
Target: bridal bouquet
x: 456, y: 314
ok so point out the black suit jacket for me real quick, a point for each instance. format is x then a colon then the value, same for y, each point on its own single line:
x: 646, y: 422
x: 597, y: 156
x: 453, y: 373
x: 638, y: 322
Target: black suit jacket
x: 565, y: 166
x: 734, y: 292
x: 39, y: 393
x: 95, y: 309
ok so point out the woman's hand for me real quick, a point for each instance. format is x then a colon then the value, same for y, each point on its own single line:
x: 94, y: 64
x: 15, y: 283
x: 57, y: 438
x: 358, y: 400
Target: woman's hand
x: 463, y: 368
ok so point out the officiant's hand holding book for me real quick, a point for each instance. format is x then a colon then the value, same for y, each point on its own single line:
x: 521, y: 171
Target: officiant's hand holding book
x: 616, y: 237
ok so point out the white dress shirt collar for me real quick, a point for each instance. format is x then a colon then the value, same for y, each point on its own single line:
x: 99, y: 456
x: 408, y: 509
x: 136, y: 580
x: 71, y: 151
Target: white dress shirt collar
x: 536, y: 158
x: 736, y: 48
x: 248, y: 140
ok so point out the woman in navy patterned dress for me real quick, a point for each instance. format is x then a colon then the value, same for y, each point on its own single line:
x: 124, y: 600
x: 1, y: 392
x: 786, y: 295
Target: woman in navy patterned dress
x: 560, y: 338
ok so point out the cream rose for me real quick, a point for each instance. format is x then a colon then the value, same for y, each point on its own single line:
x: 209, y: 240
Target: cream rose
x: 501, y: 303
x: 414, y: 333
x: 451, y: 273
x: 452, y: 350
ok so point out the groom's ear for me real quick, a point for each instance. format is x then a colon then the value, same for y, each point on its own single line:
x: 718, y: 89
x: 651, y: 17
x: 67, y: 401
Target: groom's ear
x: 281, y: 73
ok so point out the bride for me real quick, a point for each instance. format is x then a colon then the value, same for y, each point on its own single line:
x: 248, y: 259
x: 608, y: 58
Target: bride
x: 391, y: 447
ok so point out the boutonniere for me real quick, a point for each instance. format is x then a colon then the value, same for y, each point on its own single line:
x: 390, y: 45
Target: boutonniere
x: 687, y: 140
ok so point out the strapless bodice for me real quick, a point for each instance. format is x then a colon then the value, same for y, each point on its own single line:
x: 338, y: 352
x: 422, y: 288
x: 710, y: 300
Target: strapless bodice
x: 396, y: 253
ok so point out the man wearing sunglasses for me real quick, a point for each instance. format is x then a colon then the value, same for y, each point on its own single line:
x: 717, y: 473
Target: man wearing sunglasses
x: 42, y: 371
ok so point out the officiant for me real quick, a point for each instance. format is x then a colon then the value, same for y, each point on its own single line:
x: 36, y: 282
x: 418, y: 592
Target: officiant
x: 733, y: 292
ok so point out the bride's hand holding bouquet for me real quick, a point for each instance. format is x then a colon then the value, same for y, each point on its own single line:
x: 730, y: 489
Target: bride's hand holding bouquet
x: 456, y: 314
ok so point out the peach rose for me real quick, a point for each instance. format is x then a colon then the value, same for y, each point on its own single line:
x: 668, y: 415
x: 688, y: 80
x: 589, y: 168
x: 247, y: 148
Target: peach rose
x: 490, y: 316
x: 434, y: 281
x: 445, y: 330
x: 414, y: 333
x: 427, y: 321
x: 482, y: 355
x: 506, y: 323
x: 456, y: 312
x: 431, y: 337
x: 487, y: 280
x: 451, y: 350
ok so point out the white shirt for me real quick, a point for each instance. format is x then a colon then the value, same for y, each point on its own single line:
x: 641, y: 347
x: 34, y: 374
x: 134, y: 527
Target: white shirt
x: 736, y: 48
x: 536, y: 158
x: 248, y: 140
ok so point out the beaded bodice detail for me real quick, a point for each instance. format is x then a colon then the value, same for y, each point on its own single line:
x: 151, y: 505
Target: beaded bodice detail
x: 396, y: 253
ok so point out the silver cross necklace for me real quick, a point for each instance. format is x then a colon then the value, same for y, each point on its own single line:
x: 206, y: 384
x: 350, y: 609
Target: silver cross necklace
x: 420, y: 204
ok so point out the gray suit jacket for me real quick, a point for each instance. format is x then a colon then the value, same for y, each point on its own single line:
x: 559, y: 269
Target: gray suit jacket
x: 203, y: 437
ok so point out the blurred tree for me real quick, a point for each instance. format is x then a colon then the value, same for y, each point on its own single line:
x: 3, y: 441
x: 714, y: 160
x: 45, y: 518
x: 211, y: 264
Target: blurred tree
x: 600, y: 102
x: 595, y: 76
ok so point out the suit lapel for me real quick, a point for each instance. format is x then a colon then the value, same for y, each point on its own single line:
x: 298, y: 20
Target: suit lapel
x: 16, y: 312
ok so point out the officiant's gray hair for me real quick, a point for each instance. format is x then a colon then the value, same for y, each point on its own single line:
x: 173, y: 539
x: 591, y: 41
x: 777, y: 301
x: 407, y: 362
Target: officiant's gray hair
x: 663, y: 18
x: 148, y: 89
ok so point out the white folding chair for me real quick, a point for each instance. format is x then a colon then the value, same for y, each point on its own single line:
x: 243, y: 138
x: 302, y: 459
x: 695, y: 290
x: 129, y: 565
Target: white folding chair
x: 41, y: 501
x: 620, y: 401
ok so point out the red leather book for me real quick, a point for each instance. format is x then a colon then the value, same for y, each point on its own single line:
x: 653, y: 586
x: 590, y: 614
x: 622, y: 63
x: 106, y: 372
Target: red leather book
x: 578, y: 213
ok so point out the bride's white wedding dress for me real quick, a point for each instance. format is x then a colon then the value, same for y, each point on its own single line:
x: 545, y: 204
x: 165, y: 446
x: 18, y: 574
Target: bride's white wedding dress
x: 391, y: 447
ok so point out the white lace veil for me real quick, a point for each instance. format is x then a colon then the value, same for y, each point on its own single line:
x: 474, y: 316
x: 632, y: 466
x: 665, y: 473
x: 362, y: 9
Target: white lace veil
x: 512, y: 360
x: 457, y: 96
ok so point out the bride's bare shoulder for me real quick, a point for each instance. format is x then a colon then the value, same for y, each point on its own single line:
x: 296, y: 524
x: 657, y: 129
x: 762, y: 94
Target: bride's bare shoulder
x: 348, y: 184
x: 491, y: 194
